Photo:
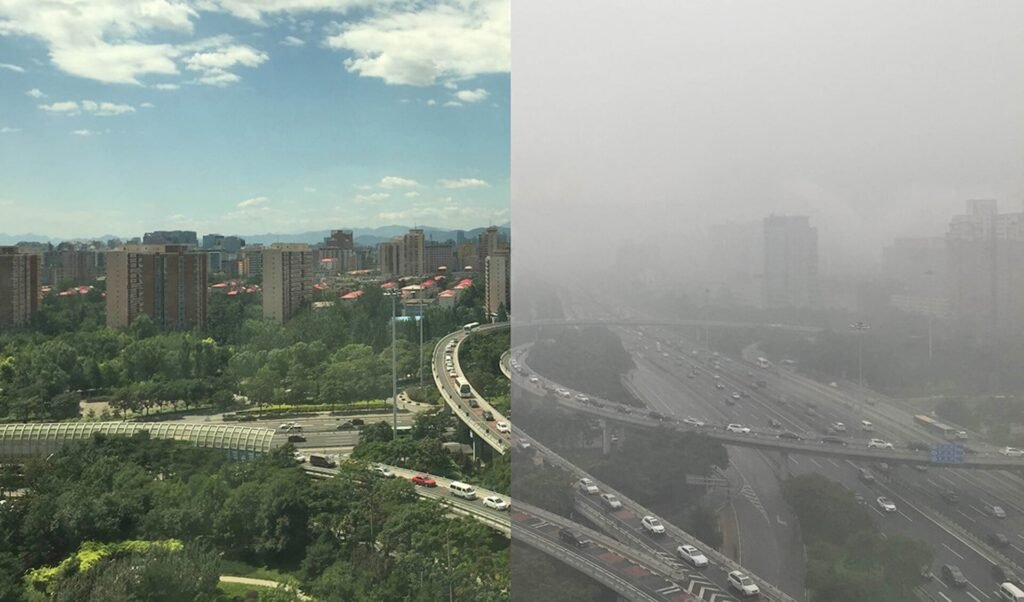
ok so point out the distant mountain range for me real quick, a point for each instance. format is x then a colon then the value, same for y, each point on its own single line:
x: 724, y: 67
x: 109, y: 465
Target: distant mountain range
x: 361, y: 236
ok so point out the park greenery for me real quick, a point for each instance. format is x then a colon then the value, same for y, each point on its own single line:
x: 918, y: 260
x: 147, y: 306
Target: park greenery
x: 92, y: 522
x: 479, y: 358
x: 336, y: 355
x: 848, y: 558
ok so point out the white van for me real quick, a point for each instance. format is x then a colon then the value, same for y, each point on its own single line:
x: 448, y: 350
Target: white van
x: 462, y: 490
x: 1011, y: 593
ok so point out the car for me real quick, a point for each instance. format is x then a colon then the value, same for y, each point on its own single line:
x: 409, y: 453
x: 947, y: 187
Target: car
x: 473, y: 403
x: 569, y: 536
x: 775, y: 424
x: 1012, y: 452
x: 790, y: 435
x: 1004, y: 575
x: 299, y: 457
x: 296, y: 439
x: 839, y: 427
x: 720, y: 386
x: 885, y: 504
x: 655, y: 415
x: 926, y: 573
x: 918, y: 446
x: 952, y: 574
x: 582, y: 398
x: 735, y: 395
x: 345, y: 426
x: 738, y: 428
x: 996, y: 511
x: 950, y: 496
x: 503, y: 427
x: 247, y: 418
x: 496, y: 502
x: 692, y: 555
x: 858, y: 498
x: 691, y: 375
x: 611, y: 501
x: 740, y: 582
x: 534, y: 380
x: 879, y: 444
x: 382, y: 471
x: 833, y: 440
x: 358, y: 422
x: 744, y: 394
x: 834, y: 385
x: 729, y: 401
x: 587, y: 486
x: 423, y: 481
x: 920, y: 467
x: 693, y: 421
x: 488, y: 416
x: 998, y: 539
x: 652, y: 525
x: 866, y: 476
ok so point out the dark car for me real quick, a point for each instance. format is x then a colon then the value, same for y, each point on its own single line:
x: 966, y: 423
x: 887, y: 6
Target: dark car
x: 247, y: 418
x: 1004, y: 575
x: 744, y: 394
x: 473, y: 403
x: 998, y: 539
x: 488, y: 416
x: 621, y: 410
x: 866, y: 476
x: 570, y: 537
x: 775, y: 424
x: 918, y: 446
x: 655, y: 415
x: 346, y: 426
x: 790, y: 435
x: 833, y: 440
x: 952, y: 574
x: 950, y: 496
x: 296, y: 439
x: 358, y: 422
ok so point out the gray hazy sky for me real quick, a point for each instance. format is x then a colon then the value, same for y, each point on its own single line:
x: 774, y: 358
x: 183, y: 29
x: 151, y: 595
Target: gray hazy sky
x: 876, y: 118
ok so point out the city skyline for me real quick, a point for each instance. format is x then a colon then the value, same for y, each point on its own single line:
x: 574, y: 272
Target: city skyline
x: 224, y: 116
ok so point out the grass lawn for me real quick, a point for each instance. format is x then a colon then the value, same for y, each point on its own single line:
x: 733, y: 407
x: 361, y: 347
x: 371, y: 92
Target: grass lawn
x: 241, y: 569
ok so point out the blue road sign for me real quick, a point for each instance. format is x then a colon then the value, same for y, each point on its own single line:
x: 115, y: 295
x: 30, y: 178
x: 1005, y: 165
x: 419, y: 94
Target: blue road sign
x: 947, y: 453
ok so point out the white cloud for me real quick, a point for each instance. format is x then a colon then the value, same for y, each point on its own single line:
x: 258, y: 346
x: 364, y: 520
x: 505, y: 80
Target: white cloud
x: 147, y: 105
x: 100, y: 109
x: 85, y: 132
x: 166, y: 86
x: 412, y: 193
x: 309, y: 189
x: 213, y: 65
x: 472, y: 95
x: 11, y: 67
x: 450, y: 215
x: 452, y: 39
x: 463, y: 183
x: 254, y: 202
x: 293, y: 41
x: 35, y: 93
x: 397, y: 182
x: 373, y: 197
x: 452, y: 103
x: 9, y: 130
x: 431, y: 102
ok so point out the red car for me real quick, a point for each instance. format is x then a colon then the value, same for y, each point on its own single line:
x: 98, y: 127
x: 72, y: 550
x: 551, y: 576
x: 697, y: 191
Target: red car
x: 423, y: 481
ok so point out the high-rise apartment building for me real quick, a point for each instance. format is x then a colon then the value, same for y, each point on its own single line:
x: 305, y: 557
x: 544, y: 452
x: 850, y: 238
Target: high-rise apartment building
x: 19, y: 287
x: 403, y: 255
x: 287, y: 280
x: 497, y: 281
x: 165, y: 282
x: 488, y: 242
x: 171, y: 237
x: 437, y: 255
x: 790, y: 277
x: 984, y: 273
x: 339, y: 239
x: 250, y: 260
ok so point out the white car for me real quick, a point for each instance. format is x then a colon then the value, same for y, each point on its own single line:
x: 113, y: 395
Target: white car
x: 582, y: 397
x: 587, y: 486
x: 839, y: 427
x: 692, y: 555
x: 885, y: 504
x: 503, y: 427
x: 1012, y: 452
x: 879, y: 444
x: 738, y: 428
x: 534, y: 380
x: 382, y: 471
x: 496, y: 502
x: 736, y: 395
x: 693, y: 421
x: 719, y: 386
x: 299, y: 457
x: 611, y: 501
x: 743, y: 584
x: 652, y: 525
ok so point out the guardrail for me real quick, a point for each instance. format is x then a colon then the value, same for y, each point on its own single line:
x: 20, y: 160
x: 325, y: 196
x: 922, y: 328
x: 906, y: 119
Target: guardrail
x: 503, y: 364
x: 458, y: 406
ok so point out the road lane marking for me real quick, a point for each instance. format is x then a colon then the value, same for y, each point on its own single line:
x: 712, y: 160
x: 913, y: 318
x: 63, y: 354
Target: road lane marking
x: 944, y: 596
x: 975, y: 509
x: 969, y: 582
x: 833, y: 462
x: 946, y: 479
x: 933, y: 483
x: 1016, y: 548
x: 955, y: 553
x: 815, y: 462
x: 905, y: 516
x: 972, y: 596
x: 793, y: 460
x: 967, y: 517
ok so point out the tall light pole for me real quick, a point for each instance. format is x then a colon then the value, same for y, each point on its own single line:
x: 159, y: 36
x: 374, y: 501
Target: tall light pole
x: 860, y: 327
x: 394, y: 365
x: 420, y: 320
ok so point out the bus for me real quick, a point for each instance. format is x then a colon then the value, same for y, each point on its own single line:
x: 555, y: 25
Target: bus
x: 464, y: 388
x: 935, y: 426
x: 471, y: 326
x: 763, y: 362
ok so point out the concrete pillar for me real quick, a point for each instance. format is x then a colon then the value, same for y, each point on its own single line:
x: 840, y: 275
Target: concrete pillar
x: 606, y: 437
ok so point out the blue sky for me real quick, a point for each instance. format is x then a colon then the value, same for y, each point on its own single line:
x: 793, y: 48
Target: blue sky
x: 252, y: 116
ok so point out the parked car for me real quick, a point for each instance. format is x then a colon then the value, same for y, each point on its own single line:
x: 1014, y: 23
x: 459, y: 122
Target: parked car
x: 423, y: 481
x: 692, y: 555
x: 839, y: 427
x: 866, y: 476
x: 918, y: 446
x: 652, y: 525
x: 611, y: 501
x: 833, y: 440
x: 345, y: 426
x: 358, y: 422
x: 1004, y: 575
x: 740, y: 582
x: 775, y: 424
x: 952, y: 574
x: 655, y: 415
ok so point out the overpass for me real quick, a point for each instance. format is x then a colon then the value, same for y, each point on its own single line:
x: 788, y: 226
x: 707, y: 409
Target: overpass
x: 848, y: 448
x: 635, y: 322
x: 26, y: 440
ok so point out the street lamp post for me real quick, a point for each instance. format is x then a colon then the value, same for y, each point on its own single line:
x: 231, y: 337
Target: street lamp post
x: 394, y: 366
x: 420, y: 320
x: 860, y: 327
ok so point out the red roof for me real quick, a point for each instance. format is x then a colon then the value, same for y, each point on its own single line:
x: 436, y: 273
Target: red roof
x: 352, y: 295
x: 428, y: 283
x: 319, y: 287
x: 466, y: 282
x: 220, y: 285
x: 389, y: 285
x: 232, y: 292
x: 447, y: 294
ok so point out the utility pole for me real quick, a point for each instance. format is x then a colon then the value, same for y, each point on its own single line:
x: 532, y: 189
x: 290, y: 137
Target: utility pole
x: 394, y: 366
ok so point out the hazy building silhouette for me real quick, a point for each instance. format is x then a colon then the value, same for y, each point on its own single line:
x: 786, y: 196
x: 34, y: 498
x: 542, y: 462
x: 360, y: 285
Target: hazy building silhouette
x: 19, y: 287
x: 165, y: 282
x: 734, y: 263
x: 790, y: 275
x: 171, y: 237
